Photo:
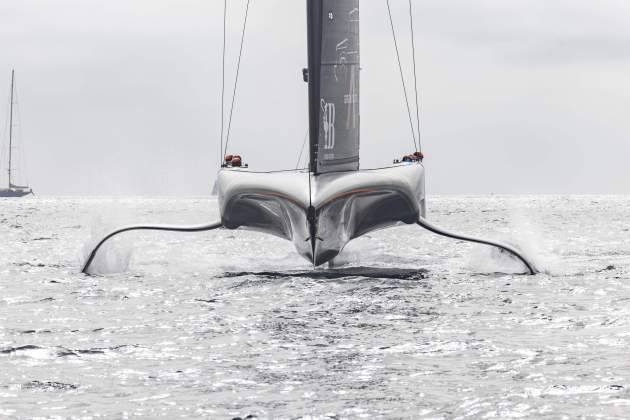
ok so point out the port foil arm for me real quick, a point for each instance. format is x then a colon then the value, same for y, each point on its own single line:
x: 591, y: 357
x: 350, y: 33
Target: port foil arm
x: 167, y: 228
x: 518, y: 254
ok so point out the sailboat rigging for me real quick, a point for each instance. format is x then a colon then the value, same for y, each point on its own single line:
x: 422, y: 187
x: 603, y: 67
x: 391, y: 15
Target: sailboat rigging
x: 322, y: 208
x: 13, y: 189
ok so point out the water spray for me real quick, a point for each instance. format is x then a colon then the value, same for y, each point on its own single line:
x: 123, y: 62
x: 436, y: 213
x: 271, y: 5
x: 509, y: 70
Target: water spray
x: 166, y: 228
x: 503, y: 247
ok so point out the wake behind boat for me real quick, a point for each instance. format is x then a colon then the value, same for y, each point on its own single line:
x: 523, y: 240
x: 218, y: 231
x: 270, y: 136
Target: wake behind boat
x: 12, y: 189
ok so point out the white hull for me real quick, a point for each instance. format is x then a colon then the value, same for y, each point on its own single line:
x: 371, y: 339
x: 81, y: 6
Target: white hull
x: 322, y: 218
x: 320, y: 214
x: 15, y: 192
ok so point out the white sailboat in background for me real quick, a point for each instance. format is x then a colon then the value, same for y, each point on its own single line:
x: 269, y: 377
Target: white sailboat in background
x: 13, y: 189
x: 322, y: 208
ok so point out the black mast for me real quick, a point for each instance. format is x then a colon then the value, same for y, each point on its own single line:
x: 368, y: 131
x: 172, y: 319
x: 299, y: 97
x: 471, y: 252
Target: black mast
x: 11, y: 125
x: 333, y: 85
x: 314, y: 28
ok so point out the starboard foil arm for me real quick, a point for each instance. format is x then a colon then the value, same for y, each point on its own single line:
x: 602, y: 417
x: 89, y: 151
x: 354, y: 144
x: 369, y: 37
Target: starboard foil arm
x: 439, y: 231
x: 167, y: 228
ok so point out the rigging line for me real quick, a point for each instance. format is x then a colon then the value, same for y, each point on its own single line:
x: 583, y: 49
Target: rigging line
x: 21, y: 144
x: 223, y: 83
x: 4, y: 140
x: 11, y: 124
x: 297, y: 165
x: 238, y: 69
x: 415, y: 74
x: 402, y: 76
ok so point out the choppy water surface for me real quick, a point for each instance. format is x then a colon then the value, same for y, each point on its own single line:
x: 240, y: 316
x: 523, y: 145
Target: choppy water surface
x: 234, y: 324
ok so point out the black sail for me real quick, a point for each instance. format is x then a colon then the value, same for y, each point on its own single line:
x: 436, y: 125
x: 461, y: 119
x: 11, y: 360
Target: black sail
x: 333, y: 37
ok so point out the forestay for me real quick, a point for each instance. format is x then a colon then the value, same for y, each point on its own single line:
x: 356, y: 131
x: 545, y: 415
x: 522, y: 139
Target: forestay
x: 334, y: 84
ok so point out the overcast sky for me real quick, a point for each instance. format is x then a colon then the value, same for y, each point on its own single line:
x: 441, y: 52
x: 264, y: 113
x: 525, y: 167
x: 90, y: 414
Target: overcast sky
x: 122, y: 96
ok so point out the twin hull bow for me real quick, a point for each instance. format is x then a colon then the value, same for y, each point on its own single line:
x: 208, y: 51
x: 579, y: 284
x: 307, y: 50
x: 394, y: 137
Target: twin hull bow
x: 321, y: 213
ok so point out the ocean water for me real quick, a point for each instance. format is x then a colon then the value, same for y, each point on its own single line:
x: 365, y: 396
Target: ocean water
x: 229, y: 324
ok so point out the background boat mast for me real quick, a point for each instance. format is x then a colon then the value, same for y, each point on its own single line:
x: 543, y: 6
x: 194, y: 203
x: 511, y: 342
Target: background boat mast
x: 11, y: 125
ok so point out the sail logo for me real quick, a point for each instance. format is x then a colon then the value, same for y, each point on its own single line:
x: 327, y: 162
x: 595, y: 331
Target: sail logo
x: 328, y: 119
x: 351, y: 98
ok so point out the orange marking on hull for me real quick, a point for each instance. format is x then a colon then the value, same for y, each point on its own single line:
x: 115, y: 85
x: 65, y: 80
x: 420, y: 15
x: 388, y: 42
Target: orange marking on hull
x: 357, y: 191
x: 293, y: 200
x: 277, y: 194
